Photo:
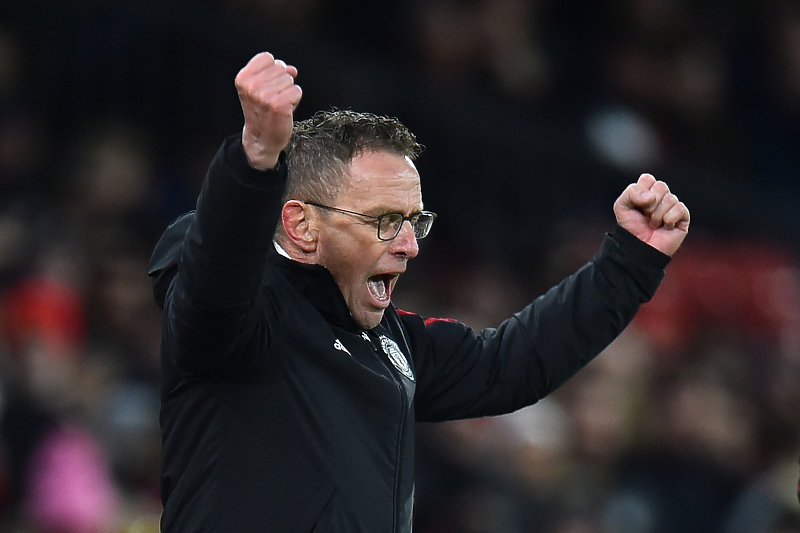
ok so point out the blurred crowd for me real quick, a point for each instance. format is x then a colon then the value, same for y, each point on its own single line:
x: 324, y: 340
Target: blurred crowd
x: 535, y: 115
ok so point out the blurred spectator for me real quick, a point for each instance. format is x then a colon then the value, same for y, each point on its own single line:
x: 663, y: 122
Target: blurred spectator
x: 70, y: 487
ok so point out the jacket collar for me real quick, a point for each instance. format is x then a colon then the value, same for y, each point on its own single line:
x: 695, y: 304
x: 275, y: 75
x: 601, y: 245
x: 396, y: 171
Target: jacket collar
x: 318, y: 286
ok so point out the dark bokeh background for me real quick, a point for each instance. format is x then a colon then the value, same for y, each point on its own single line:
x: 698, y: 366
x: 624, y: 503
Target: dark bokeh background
x: 535, y: 114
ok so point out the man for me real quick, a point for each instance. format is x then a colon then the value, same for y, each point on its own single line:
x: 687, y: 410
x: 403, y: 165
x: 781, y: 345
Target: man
x: 290, y: 383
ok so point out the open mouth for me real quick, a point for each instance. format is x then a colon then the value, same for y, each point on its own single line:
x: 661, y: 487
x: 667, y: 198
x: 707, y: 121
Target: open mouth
x: 381, y: 287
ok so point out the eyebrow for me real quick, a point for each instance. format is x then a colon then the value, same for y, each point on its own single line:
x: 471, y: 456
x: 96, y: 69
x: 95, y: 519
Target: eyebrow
x: 383, y: 210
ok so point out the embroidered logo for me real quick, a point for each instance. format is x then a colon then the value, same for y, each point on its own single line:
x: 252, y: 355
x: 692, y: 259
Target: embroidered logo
x: 396, y: 356
x: 339, y: 346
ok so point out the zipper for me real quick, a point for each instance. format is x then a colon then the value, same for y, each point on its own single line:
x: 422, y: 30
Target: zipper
x: 376, y: 346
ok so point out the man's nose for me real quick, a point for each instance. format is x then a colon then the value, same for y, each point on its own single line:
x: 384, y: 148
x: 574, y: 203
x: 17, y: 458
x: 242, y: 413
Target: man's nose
x: 406, y: 243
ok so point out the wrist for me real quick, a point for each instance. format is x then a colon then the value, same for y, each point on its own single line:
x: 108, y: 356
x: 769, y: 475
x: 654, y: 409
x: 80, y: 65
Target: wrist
x: 259, y: 156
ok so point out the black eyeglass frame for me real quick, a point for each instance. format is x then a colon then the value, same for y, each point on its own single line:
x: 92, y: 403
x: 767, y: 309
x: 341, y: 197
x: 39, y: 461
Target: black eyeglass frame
x: 380, y: 218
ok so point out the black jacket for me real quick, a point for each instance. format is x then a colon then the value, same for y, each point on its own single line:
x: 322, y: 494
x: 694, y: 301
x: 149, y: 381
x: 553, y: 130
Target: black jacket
x: 279, y: 413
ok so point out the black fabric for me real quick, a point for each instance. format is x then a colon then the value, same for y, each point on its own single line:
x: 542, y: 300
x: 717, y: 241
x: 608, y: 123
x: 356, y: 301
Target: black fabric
x: 164, y: 262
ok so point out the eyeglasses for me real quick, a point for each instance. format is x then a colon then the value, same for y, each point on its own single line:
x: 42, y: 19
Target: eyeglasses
x: 390, y: 224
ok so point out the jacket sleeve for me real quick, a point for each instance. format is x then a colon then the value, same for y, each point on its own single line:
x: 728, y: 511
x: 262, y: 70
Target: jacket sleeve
x: 211, y: 308
x: 462, y: 373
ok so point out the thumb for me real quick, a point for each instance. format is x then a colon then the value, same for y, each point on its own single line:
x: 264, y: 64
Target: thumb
x: 635, y: 197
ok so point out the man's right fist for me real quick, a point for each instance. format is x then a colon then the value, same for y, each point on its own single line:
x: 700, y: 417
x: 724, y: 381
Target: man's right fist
x: 268, y: 96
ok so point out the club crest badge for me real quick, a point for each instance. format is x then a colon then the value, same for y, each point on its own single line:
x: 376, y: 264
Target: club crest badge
x: 396, y: 356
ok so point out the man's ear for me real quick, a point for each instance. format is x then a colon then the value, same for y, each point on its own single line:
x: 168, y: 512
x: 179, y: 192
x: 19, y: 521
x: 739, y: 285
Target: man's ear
x: 300, y: 226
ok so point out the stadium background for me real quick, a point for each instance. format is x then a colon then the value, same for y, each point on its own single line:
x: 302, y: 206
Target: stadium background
x: 535, y: 115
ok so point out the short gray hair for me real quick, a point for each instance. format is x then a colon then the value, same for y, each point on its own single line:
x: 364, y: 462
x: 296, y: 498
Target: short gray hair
x: 322, y: 146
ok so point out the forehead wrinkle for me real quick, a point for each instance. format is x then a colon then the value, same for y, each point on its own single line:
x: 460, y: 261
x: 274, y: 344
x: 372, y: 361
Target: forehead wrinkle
x: 405, y: 203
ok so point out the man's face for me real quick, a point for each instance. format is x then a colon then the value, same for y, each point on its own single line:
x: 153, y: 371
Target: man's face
x: 366, y: 268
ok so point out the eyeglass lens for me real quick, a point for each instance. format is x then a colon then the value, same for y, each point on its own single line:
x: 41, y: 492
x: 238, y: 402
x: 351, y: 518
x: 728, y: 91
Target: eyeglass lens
x: 390, y: 225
